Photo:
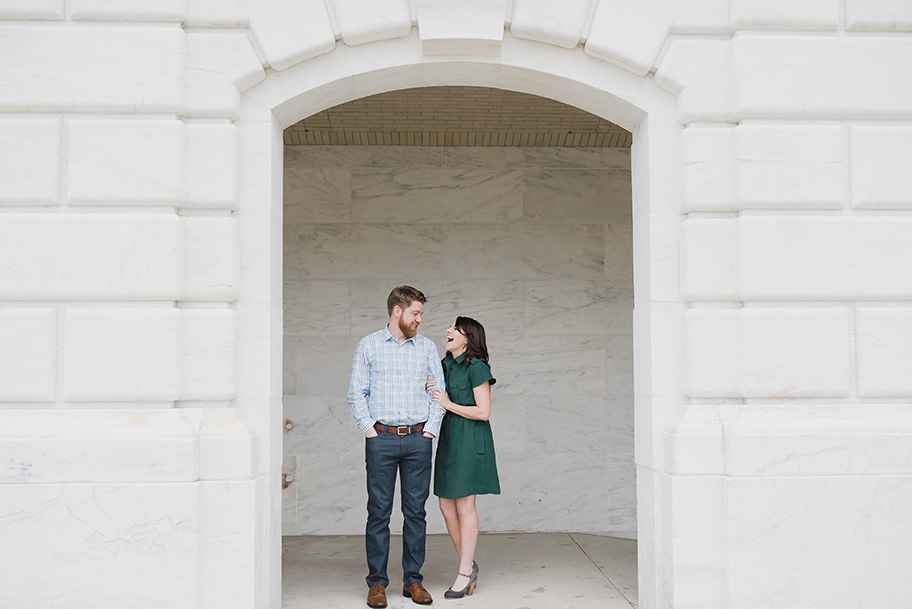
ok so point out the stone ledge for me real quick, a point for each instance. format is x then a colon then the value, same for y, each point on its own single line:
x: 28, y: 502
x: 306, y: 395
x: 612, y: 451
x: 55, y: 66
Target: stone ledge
x: 792, y: 440
x: 123, y: 446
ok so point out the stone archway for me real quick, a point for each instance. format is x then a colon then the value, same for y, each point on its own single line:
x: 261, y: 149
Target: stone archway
x: 569, y: 76
x: 783, y: 200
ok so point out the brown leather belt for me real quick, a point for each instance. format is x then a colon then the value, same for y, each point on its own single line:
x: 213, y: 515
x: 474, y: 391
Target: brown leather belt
x: 400, y: 431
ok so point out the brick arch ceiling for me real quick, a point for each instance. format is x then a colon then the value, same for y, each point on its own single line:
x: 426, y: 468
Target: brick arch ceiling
x: 456, y: 116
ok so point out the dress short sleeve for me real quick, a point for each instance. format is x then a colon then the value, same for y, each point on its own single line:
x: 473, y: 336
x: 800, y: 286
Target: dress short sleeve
x: 479, y: 373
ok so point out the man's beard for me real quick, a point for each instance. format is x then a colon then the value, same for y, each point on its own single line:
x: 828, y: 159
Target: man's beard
x: 407, y: 330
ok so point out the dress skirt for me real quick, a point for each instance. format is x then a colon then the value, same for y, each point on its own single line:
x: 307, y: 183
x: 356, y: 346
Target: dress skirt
x: 465, y: 463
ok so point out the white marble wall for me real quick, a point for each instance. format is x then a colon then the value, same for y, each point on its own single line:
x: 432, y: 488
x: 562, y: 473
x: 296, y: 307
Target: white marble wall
x: 141, y: 177
x: 536, y: 245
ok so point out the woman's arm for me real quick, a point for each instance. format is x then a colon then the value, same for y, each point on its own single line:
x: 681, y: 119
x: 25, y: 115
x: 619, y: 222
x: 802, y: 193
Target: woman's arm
x: 480, y: 412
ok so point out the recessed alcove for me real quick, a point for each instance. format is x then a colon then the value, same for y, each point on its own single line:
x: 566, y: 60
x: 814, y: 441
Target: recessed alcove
x: 510, y: 208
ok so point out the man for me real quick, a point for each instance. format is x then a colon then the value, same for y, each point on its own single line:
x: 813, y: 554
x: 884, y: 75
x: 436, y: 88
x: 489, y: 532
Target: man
x: 393, y: 408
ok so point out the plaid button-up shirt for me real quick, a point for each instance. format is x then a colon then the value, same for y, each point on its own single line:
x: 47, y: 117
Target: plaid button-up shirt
x: 388, y: 381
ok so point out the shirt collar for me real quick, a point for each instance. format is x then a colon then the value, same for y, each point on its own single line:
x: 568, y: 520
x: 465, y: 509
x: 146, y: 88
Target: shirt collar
x: 389, y: 336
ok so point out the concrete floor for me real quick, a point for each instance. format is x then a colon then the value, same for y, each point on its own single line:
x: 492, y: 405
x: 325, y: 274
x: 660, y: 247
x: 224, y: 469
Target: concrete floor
x: 517, y: 571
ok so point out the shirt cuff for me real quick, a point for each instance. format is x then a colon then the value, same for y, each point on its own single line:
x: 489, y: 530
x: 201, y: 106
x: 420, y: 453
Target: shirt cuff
x: 433, y: 426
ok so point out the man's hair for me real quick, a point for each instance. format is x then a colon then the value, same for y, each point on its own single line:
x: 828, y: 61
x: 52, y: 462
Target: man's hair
x: 403, y: 296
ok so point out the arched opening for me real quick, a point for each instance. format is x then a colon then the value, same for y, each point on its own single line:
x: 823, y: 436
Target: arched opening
x: 634, y: 103
x: 535, y: 242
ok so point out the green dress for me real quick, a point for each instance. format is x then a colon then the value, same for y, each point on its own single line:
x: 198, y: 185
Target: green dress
x: 465, y: 463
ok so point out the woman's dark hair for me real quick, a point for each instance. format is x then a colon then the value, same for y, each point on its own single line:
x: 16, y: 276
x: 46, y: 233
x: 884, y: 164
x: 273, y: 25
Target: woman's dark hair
x: 475, y: 339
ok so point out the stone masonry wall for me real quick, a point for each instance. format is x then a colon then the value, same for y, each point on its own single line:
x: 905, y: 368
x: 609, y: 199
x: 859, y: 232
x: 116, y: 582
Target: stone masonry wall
x: 141, y: 265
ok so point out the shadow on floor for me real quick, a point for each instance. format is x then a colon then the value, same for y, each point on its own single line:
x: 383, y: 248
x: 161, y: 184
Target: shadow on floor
x: 517, y: 571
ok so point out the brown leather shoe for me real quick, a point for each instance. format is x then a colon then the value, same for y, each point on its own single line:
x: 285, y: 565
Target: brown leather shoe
x: 376, y: 596
x: 417, y: 593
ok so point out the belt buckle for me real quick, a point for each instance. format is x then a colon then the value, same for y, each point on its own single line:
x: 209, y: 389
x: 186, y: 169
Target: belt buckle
x: 400, y: 433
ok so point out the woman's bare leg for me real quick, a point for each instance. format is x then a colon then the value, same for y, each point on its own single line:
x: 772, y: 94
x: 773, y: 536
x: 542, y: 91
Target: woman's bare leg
x: 468, y: 538
x: 448, y: 509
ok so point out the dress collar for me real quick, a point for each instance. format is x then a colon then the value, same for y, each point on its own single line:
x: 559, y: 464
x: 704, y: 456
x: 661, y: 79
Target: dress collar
x: 457, y: 360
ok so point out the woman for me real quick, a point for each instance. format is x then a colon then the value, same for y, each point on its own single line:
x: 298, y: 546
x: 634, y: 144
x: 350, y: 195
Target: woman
x: 465, y: 465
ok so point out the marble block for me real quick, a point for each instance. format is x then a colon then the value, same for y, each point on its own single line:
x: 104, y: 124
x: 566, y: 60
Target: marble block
x: 316, y: 422
x: 707, y: 260
x: 619, y: 371
x: 336, y: 504
x: 696, y: 444
x: 210, y: 175
x: 709, y: 169
x: 879, y: 159
x: 794, y: 352
x: 524, y: 251
x: 767, y: 352
x: 793, y: 533
x: 712, y: 352
x: 312, y: 306
x: 572, y: 423
x: 700, y: 17
x: 28, y: 355
x: 700, y: 72
x: 524, y: 366
x: 565, y: 308
x: 436, y: 196
x: 696, y: 516
x: 95, y: 256
x: 363, y: 21
x: 878, y: 15
x: 363, y: 251
x: 33, y: 9
x: 289, y: 32
x: 316, y: 195
x: 619, y: 254
x: 818, y: 258
x: 144, y: 69
x: 225, y: 443
x: 562, y: 25
x: 128, y: 10
x: 474, y: 27
x: 790, y: 167
x: 213, y: 259
x: 137, y: 162
x: 123, y: 355
x: 528, y: 503
x: 228, y: 543
x: 629, y: 34
x: 100, y: 545
x: 577, y: 196
x: 784, y: 15
x: 29, y: 162
x: 883, y: 343
x: 210, y: 354
x: 323, y: 363
x: 112, y: 446
x: 218, y: 12
x: 221, y: 64
x: 816, y: 439
x: 853, y: 77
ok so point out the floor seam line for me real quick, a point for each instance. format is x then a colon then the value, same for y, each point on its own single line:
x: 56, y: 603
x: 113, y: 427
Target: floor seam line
x: 605, y: 575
